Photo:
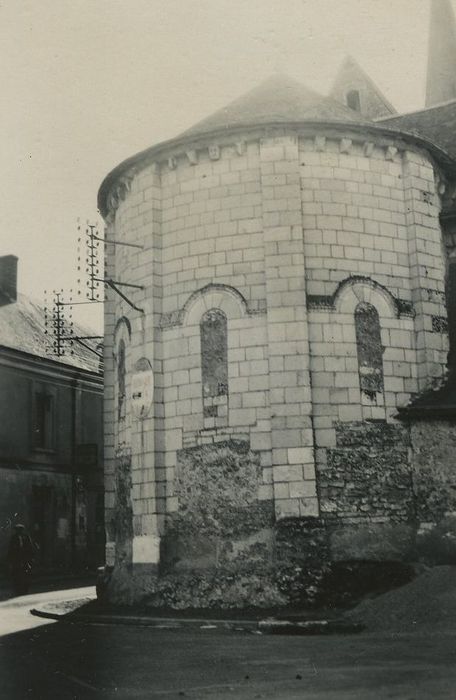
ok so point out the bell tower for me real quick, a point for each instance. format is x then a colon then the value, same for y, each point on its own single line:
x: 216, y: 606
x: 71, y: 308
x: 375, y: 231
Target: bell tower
x: 441, y: 71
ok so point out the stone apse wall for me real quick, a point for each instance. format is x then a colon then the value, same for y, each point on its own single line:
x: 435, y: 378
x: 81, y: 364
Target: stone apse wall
x: 293, y: 298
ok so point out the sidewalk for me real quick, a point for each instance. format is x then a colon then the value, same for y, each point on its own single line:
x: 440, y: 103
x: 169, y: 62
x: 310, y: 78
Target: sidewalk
x: 50, y: 582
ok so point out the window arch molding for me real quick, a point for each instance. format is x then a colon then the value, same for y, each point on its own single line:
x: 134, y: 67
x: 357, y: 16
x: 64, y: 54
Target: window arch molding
x: 353, y: 291
x: 226, y: 299
x: 205, y: 318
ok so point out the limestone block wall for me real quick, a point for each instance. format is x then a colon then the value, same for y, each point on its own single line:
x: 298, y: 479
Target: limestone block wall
x: 213, y: 258
x: 288, y: 336
x: 448, y: 222
x: 354, y: 215
x: 359, y: 221
x: 216, y: 206
x: 371, y: 236
x: 132, y: 486
x: 287, y: 236
x: 212, y: 223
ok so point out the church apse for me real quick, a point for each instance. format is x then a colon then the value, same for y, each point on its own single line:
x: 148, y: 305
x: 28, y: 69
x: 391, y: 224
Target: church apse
x: 292, y: 303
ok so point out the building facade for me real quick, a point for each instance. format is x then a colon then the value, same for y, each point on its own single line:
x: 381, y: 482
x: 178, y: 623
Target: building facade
x: 51, y: 439
x: 293, y: 268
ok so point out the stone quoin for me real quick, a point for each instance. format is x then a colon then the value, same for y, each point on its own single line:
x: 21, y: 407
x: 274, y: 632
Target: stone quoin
x: 295, y: 256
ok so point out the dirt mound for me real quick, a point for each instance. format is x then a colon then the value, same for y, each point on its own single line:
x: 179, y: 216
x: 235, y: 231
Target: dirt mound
x: 428, y: 602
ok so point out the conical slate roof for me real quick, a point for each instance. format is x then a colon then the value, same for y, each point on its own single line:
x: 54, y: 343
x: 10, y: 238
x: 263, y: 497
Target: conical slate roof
x: 277, y: 99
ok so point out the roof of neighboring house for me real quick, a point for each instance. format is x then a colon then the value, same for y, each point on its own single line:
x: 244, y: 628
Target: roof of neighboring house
x: 434, y: 403
x: 438, y: 124
x: 22, y: 328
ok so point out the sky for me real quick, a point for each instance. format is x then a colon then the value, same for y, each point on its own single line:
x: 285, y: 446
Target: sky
x: 87, y: 83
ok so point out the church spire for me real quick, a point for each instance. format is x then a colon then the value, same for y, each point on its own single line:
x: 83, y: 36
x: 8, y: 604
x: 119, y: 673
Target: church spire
x: 441, y: 72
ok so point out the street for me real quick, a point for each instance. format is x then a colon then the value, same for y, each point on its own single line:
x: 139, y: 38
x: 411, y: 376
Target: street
x: 42, y: 660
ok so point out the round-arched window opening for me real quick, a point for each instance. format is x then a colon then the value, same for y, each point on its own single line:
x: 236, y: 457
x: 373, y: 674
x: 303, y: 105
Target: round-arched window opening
x: 214, y: 367
x: 369, y: 350
x: 214, y: 353
x: 121, y: 380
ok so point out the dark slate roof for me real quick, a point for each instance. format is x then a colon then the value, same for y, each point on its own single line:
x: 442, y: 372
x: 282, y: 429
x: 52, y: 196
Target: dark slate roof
x: 433, y: 404
x: 277, y: 99
x: 438, y: 124
x: 22, y: 328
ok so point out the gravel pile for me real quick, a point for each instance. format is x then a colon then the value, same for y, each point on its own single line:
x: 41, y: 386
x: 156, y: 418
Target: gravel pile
x: 426, y: 603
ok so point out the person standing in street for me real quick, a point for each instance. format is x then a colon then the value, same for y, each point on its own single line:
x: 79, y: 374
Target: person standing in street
x: 21, y: 554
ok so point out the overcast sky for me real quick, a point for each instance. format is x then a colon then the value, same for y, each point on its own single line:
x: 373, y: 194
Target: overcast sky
x: 87, y: 83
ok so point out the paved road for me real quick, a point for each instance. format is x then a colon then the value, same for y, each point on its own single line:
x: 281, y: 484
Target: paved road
x: 78, y: 662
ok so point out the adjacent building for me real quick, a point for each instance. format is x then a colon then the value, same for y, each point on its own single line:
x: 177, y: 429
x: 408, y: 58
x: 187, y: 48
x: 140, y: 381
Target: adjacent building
x: 51, y: 437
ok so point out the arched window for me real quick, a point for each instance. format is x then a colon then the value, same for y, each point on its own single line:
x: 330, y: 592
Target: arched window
x: 121, y: 380
x: 353, y: 100
x: 370, y: 352
x: 214, y: 368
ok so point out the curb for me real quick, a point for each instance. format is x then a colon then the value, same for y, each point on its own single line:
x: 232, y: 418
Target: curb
x: 309, y: 627
x: 143, y: 621
x: 269, y: 626
x: 45, y: 614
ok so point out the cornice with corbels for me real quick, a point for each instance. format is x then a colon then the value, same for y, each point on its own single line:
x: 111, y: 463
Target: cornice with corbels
x: 122, y: 186
x: 392, y: 147
x: 120, y: 190
x: 346, y: 145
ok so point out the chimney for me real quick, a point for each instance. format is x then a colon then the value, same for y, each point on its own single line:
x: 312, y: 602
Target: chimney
x: 8, y: 279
